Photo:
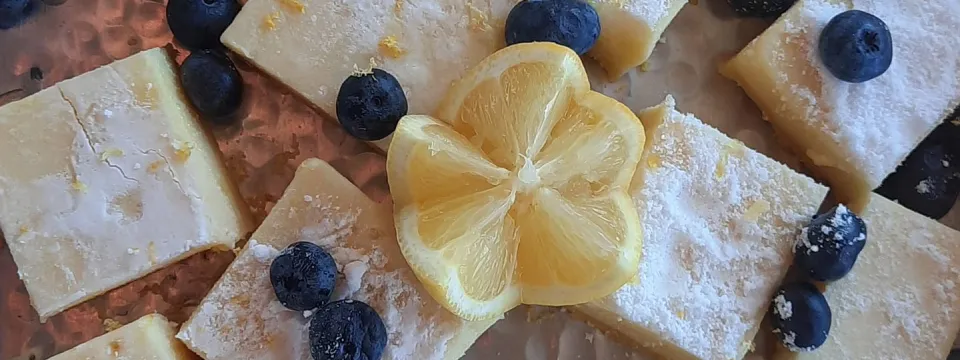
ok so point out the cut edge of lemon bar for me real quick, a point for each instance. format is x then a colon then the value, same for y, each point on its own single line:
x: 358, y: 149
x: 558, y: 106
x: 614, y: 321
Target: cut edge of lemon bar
x: 150, y: 337
x: 720, y: 222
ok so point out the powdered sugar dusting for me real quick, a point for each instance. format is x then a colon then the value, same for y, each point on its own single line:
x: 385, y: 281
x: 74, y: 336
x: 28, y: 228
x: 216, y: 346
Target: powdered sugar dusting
x: 903, y: 288
x: 872, y: 126
x: 240, y: 319
x: 708, y: 272
x: 782, y: 307
x: 649, y: 11
x: 263, y: 253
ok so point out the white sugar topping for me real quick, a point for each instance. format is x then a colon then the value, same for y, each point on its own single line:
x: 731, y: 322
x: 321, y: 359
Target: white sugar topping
x: 782, y: 307
x: 719, y: 223
x: 924, y: 186
x: 241, y: 318
x: 649, y: 11
x: 836, y: 230
x: 263, y: 253
x: 875, y: 124
x: 87, y: 220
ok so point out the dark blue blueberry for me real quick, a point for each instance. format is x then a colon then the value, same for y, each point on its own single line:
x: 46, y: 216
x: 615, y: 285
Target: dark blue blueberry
x: 760, y: 8
x: 212, y: 84
x: 198, y: 24
x: 369, y: 106
x: 801, y: 316
x: 954, y: 355
x: 303, y: 276
x: 928, y: 180
x: 347, y: 330
x: 571, y: 23
x: 828, y: 247
x: 856, y: 46
x: 15, y: 12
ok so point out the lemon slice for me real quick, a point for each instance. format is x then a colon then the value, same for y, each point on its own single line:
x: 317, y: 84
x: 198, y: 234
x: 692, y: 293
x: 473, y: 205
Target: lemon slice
x: 518, y: 192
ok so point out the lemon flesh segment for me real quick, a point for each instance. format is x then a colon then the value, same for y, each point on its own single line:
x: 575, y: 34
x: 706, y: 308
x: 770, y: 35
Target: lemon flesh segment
x: 442, y: 162
x: 576, y: 249
x: 464, y: 252
x: 508, y: 104
x: 518, y: 194
x: 589, y: 150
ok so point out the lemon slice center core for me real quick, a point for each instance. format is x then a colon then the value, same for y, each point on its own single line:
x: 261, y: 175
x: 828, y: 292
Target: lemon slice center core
x: 527, y: 177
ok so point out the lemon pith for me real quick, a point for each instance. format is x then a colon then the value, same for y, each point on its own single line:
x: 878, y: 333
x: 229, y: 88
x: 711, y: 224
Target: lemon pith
x: 517, y: 191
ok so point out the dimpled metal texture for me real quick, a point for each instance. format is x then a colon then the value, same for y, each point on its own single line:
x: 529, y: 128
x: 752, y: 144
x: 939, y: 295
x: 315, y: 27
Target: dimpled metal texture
x: 276, y: 130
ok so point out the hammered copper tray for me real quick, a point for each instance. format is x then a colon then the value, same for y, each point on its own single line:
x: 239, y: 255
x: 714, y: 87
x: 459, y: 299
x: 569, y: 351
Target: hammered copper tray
x: 278, y: 130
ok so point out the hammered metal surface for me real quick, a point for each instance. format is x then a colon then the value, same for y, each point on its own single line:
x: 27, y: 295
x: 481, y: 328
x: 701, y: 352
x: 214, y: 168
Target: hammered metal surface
x: 278, y: 130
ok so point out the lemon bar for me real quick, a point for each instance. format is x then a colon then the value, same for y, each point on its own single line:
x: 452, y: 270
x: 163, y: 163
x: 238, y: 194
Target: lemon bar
x: 107, y: 177
x: 242, y: 319
x: 314, y: 45
x: 720, y: 221
x: 854, y: 134
x: 901, y: 300
x: 149, y: 338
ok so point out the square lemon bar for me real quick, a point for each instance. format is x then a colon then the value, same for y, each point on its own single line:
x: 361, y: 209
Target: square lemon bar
x: 314, y: 45
x: 720, y: 221
x: 107, y: 177
x: 149, y: 338
x: 854, y: 134
x: 241, y: 318
x: 901, y: 301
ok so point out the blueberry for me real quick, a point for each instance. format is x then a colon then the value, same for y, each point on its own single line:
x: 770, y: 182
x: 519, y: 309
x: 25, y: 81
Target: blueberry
x: 347, y: 330
x: 212, y: 84
x: 571, y: 23
x: 198, y: 24
x: 954, y: 355
x: 828, y: 247
x: 801, y: 316
x: 370, y: 105
x: 15, y: 12
x: 760, y: 8
x: 928, y: 180
x: 303, y: 276
x: 856, y: 46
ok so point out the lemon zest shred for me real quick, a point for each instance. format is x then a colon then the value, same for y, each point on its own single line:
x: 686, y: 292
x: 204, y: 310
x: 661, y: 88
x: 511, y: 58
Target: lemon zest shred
x: 154, y: 166
x: 24, y: 229
x: 478, y: 20
x: 79, y: 186
x: 755, y: 210
x: 270, y: 20
x: 183, y: 151
x: 398, y: 7
x: 294, y: 5
x: 109, y: 153
x: 390, y: 47
x: 730, y: 148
